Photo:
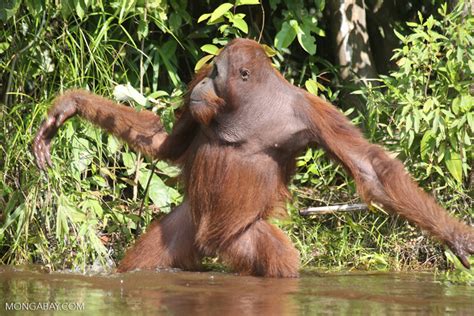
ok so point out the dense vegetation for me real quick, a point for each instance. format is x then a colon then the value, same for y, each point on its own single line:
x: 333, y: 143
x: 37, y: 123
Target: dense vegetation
x: 90, y: 206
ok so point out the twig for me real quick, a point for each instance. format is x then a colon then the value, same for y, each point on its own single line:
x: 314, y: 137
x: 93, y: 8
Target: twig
x: 263, y: 23
x: 137, y: 174
x: 333, y: 208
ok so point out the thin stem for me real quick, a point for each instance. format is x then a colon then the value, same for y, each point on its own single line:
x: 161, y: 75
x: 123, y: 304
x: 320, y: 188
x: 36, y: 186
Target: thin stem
x: 263, y: 22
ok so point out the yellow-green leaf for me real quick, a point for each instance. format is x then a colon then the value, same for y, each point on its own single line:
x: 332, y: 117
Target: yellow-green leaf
x: 241, y: 24
x: 311, y: 86
x: 210, y: 49
x: 453, y: 162
x: 202, y: 62
x: 220, y: 11
x: 428, y: 105
x: 246, y: 2
x: 270, y: 52
x: 425, y: 144
x: 204, y: 17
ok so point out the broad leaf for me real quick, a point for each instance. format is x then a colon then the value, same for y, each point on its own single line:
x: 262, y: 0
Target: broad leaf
x: 307, y: 41
x: 285, y: 36
x: 270, y: 52
x: 311, y: 86
x: 426, y: 144
x: 247, y: 2
x: 220, y: 11
x: 210, y: 49
x: 202, y: 62
x: 453, y: 162
x: 241, y: 24
x: 8, y: 9
x: 204, y: 17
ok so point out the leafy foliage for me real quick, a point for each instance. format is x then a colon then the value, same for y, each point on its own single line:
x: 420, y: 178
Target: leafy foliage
x: 231, y: 25
x: 428, y: 99
x: 426, y: 108
x: 299, y: 22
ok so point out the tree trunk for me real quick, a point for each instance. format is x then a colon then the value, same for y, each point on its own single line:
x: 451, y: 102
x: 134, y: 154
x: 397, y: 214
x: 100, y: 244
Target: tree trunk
x: 351, y: 44
x: 351, y: 39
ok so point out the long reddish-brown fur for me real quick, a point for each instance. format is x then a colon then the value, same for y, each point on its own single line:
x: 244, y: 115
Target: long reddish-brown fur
x: 236, y: 140
x: 379, y: 178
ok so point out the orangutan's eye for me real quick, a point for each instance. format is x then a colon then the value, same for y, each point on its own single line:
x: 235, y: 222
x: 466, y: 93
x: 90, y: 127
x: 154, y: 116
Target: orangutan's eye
x: 244, y: 74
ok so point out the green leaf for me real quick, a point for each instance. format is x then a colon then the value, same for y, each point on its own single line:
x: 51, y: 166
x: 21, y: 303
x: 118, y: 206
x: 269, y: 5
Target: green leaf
x: 61, y: 221
x: 411, y: 137
x: 67, y: 211
x: 223, y: 27
x: 426, y: 144
x: 408, y: 123
x: 308, y: 155
x: 167, y: 169
x: 10, y: 215
x: 8, y: 9
x: 204, y: 17
x: 125, y: 8
x: 311, y: 86
x: 240, y: 23
x: 247, y: 2
x: 4, y: 46
x: 453, y: 162
x: 113, y: 144
x: 67, y: 7
x: 220, y: 11
x: 470, y: 121
x: 81, y: 153
x: 142, y: 30
x: 467, y: 139
x: 428, y: 106
x: 471, y: 65
x: 168, y: 50
x: 400, y: 36
x: 285, y: 36
x: 320, y: 5
x: 210, y: 49
x: 160, y: 194
x: 435, y: 127
x: 270, y: 52
x: 35, y: 7
x: 129, y: 160
x: 416, y: 122
x: 202, y: 62
x: 466, y: 103
x: 80, y: 9
x: 158, y: 94
x: 318, y: 31
x: 307, y: 41
x: 167, y: 53
x: 157, y: 191
x: 99, y: 181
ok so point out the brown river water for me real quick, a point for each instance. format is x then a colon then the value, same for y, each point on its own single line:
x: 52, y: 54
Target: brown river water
x: 27, y: 291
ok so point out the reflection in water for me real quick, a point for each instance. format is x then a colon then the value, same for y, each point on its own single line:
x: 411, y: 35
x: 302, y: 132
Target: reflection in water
x: 188, y: 293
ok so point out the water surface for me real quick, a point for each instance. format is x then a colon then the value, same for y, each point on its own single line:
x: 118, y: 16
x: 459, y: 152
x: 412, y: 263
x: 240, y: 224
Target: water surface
x: 211, y: 293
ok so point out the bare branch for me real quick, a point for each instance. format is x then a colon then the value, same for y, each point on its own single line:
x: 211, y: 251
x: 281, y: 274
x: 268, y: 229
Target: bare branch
x: 333, y: 208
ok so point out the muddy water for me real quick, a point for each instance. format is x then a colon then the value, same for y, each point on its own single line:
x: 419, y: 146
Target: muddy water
x: 186, y: 293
